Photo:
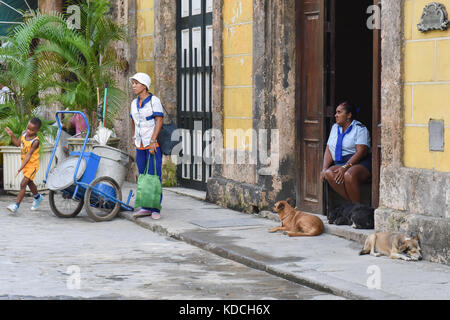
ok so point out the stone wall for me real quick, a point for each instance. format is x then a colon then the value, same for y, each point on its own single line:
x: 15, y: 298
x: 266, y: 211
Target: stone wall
x: 50, y: 5
x: 257, y: 187
x: 411, y: 199
x: 426, y: 89
x: 124, y: 13
x: 166, y: 54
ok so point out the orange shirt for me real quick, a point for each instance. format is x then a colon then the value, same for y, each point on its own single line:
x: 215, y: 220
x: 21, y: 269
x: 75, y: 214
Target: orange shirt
x: 26, y: 146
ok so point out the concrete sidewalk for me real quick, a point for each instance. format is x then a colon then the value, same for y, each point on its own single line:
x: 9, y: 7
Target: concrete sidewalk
x: 327, y: 262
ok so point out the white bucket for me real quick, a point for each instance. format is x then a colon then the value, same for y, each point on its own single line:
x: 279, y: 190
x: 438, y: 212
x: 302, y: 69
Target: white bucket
x: 113, y: 163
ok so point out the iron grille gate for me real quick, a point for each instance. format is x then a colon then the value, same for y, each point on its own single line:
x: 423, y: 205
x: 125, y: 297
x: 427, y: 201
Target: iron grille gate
x: 194, y: 101
x: 11, y: 15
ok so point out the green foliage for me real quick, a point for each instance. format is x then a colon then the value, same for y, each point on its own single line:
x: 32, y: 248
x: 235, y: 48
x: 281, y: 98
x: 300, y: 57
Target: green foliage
x: 19, y: 124
x: 87, y: 57
x: 24, y: 76
x: 169, y: 174
x: 76, y: 62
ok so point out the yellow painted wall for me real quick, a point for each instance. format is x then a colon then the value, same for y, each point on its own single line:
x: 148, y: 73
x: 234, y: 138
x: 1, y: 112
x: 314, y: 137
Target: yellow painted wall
x: 427, y: 89
x: 145, y: 38
x: 238, y: 69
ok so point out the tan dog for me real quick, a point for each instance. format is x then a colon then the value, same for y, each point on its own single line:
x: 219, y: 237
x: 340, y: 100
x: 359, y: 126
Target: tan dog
x: 393, y: 245
x: 296, y: 223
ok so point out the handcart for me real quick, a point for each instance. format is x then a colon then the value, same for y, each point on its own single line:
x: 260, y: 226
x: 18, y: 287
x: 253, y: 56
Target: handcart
x: 74, y: 182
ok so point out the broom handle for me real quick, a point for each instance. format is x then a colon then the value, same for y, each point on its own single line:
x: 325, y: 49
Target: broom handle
x: 98, y: 102
x: 104, y: 105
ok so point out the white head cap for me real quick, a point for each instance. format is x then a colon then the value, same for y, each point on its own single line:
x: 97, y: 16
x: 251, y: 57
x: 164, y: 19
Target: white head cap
x: 142, y: 78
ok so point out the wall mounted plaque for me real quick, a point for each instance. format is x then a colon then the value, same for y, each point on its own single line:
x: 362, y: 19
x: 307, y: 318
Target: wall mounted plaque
x: 436, y: 131
x: 434, y: 17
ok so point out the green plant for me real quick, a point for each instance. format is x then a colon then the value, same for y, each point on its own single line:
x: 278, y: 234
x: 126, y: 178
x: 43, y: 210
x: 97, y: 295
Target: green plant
x: 19, y: 123
x: 44, y: 53
x: 23, y: 74
x: 84, y: 60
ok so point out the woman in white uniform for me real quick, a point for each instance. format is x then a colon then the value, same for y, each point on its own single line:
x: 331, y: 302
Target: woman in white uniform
x: 146, y: 115
x: 347, y: 161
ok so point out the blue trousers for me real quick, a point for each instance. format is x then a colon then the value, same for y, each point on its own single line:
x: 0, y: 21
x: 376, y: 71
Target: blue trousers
x: 142, y: 156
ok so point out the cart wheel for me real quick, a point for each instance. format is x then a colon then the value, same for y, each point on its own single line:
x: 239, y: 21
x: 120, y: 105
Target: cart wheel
x: 62, y: 204
x: 98, y: 207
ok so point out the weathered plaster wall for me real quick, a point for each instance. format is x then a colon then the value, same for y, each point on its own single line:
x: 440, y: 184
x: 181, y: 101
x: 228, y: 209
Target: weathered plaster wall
x: 427, y: 89
x: 165, y: 50
x: 145, y: 38
x: 50, y: 5
x: 124, y: 51
x: 411, y: 199
x: 237, y: 47
x: 273, y: 108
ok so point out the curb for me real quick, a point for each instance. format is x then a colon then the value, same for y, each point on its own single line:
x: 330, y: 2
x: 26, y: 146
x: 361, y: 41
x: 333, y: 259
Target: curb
x: 345, y: 232
x: 310, y: 278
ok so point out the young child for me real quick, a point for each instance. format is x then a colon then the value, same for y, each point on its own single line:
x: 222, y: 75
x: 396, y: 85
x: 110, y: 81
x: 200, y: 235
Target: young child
x: 29, y: 142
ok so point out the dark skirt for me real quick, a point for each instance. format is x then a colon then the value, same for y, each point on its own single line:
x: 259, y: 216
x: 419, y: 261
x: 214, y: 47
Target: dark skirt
x: 365, y: 162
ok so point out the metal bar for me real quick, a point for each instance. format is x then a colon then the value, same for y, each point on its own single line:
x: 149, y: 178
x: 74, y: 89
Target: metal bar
x: 101, y: 193
x: 179, y: 76
x: 26, y: 2
x: 182, y: 115
x: 185, y: 81
x: 11, y: 7
x: 210, y: 98
x: 194, y: 135
x: 203, y: 64
x: 129, y: 196
x: 190, y: 120
x: 58, y: 138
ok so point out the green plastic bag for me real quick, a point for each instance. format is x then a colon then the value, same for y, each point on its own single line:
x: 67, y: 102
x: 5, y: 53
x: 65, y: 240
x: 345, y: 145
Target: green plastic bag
x: 149, y: 189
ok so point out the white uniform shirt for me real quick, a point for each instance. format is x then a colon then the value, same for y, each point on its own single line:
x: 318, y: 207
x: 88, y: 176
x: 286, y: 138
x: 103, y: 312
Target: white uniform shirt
x: 144, y: 119
x: 358, y: 135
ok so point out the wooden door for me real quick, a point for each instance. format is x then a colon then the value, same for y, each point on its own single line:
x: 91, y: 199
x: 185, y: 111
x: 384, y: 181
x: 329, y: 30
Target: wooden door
x: 376, y: 115
x: 310, y: 103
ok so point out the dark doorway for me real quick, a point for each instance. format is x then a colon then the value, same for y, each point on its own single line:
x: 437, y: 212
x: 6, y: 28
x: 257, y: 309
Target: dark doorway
x: 349, y: 69
x: 354, y: 57
x: 339, y: 60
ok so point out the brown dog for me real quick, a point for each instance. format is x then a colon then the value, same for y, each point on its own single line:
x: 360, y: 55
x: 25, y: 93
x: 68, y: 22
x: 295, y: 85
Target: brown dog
x: 296, y: 223
x: 394, y: 245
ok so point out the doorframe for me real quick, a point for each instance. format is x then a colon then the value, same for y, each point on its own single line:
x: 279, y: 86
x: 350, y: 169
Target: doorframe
x: 376, y: 107
x: 299, y: 116
x: 186, y: 119
x: 376, y: 114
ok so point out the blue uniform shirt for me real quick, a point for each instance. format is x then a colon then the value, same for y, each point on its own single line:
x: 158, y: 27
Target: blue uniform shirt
x: 358, y: 135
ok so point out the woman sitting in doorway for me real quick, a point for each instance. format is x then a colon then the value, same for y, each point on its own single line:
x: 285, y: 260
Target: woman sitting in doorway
x: 347, y: 161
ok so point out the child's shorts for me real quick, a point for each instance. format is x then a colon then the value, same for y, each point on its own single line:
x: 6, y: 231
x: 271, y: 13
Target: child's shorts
x: 30, y: 172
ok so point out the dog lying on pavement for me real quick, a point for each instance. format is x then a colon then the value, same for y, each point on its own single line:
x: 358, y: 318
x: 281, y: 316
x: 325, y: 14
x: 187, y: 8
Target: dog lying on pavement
x: 296, y: 223
x: 393, y: 245
x: 357, y: 215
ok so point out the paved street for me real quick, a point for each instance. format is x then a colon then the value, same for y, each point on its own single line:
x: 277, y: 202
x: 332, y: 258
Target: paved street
x: 45, y: 257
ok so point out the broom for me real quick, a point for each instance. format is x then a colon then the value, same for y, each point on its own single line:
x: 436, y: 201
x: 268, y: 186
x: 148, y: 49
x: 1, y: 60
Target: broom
x: 102, y: 135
